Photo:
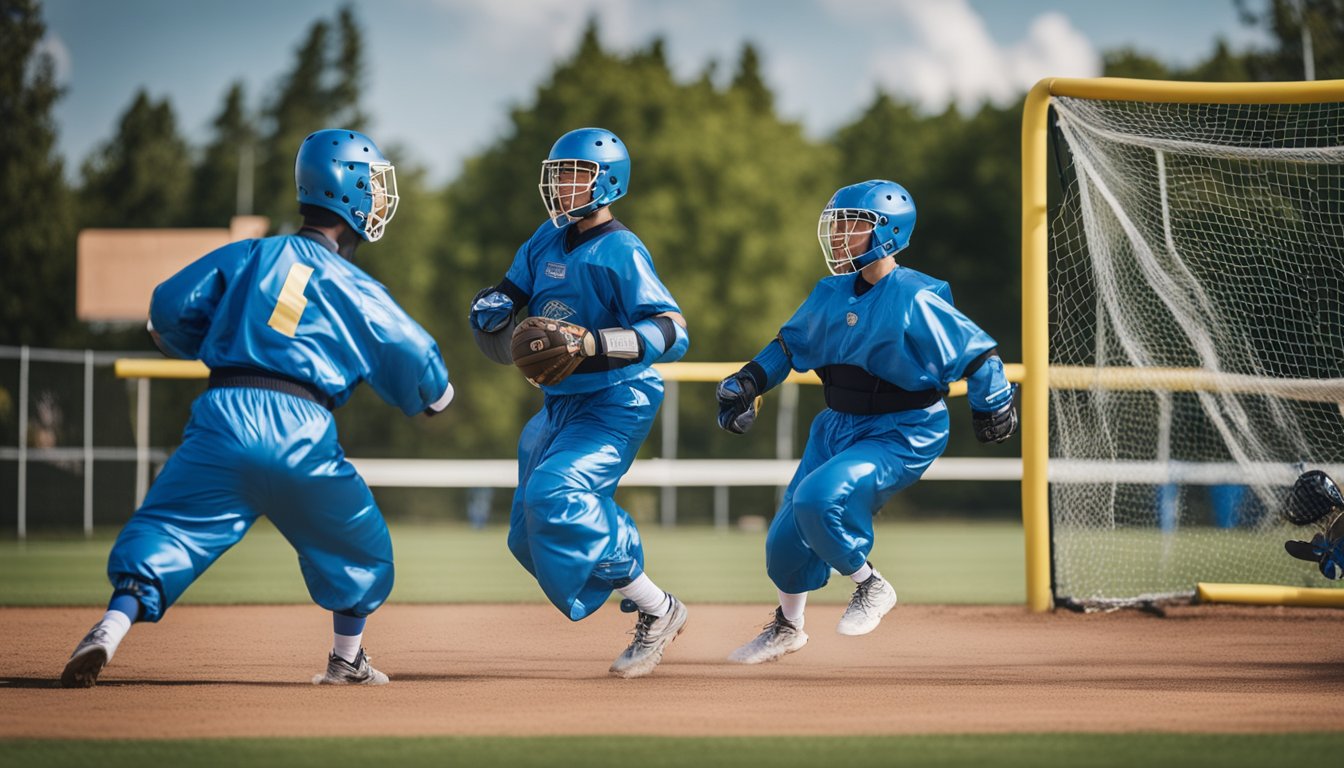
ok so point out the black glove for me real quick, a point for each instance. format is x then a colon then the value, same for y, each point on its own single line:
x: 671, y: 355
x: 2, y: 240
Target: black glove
x: 997, y: 426
x: 1328, y: 556
x: 1314, y: 496
x: 737, y: 402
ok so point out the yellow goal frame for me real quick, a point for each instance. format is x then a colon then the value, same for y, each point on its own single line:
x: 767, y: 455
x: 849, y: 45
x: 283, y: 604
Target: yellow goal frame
x: 1035, y: 288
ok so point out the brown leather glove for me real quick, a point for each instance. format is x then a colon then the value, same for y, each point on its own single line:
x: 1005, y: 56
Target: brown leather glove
x: 548, y: 351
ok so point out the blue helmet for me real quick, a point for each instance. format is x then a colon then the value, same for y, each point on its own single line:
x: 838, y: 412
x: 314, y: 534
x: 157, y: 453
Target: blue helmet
x: 582, y: 161
x: 344, y: 172
x: 883, y: 208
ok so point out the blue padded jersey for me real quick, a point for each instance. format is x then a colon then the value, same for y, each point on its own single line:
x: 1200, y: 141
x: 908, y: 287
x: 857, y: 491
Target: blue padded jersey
x: 904, y: 330
x: 607, y: 281
x: 220, y: 309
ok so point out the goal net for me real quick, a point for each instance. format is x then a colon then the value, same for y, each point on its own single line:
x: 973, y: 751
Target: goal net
x: 1196, y: 342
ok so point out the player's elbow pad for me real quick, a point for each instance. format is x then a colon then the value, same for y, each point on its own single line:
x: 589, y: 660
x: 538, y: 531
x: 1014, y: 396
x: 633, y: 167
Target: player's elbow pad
x: 665, y: 341
x: 496, y: 345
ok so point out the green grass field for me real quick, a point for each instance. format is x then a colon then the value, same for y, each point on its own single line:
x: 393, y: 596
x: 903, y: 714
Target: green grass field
x: 1079, y: 750
x: 928, y: 562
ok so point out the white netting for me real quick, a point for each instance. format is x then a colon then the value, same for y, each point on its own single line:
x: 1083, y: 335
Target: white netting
x: 1197, y: 290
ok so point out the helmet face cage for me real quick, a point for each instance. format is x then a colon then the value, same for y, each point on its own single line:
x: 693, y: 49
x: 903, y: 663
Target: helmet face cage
x: 846, y: 236
x: 569, y: 189
x: 383, y: 200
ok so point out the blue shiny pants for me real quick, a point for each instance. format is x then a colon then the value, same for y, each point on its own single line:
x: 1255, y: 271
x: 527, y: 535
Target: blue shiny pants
x: 250, y: 452
x: 565, y: 527
x: 852, y: 465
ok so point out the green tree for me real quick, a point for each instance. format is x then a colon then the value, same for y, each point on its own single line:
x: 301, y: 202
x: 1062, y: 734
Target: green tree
x: 748, y: 82
x: 1283, y: 20
x: 216, y: 178
x: 140, y: 177
x: 1128, y: 62
x: 297, y: 108
x: 349, y: 72
x: 321, y: 90
x: 36, y: 242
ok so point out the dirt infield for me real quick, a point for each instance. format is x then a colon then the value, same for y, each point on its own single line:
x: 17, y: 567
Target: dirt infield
x: 525, y: 670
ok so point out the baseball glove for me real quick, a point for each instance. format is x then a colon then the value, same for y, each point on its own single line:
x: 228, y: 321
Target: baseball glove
x: 548, y: 351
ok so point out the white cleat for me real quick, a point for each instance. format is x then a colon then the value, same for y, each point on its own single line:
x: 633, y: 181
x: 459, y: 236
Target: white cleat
x: 357, y: 672
x: 779, y: 637
x: 872, y: 600
x: 89, y: 658
x: 652, y: 635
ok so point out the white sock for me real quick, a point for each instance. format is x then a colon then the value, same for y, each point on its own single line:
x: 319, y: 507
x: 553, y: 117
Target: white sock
x: 117, y: 625
x: 791, y: 606
x: 862, y: 574
x: 346, y: 646
x: 645, y: 594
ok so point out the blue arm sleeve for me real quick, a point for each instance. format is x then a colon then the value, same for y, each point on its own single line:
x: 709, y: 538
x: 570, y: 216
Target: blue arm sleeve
x: 183, y: 305
x: 987, y: 386
x: 770, y: 366
x: 665, y: 341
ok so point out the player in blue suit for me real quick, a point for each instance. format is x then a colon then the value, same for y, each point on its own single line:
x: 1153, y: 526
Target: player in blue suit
x: 289, y: 326
x: 584, y: 267
x: 886, y: 341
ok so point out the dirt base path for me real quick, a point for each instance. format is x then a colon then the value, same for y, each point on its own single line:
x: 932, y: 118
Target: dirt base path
x: 525, y: 670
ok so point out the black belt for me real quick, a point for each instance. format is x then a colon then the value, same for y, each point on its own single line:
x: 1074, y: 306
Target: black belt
x: 600, y: 363
x: 850, y: 389
x: 257, y: 379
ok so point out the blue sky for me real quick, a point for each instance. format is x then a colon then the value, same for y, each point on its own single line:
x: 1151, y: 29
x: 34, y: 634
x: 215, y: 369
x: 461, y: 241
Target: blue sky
x: 442, y: 74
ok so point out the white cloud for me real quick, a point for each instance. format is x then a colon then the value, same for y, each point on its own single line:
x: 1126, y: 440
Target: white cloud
x: 539, y: 27
x: 952, y: 58
x: 61, y: 61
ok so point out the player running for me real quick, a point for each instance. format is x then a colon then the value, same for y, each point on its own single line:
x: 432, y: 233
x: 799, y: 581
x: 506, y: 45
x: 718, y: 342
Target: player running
x: 886, y: 342
x: 289, y: 327
x: 601, y: 317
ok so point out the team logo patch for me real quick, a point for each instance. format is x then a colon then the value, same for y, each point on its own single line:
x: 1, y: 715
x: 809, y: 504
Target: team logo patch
x: 556, y: 310
x: 555, y: 270
x: 851, y: 319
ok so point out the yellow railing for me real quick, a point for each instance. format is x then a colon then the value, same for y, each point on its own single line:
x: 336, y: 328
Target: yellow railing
x: 149, y: 368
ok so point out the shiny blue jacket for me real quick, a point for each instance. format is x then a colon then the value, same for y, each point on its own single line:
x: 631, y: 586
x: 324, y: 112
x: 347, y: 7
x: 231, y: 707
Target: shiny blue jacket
x: 292, y: 306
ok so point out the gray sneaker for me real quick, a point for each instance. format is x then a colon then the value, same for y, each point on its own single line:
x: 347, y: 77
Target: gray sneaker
x: 779, y: 637
x: 652, y: 634
x: 89, y: 658
x: 357, y: 672
x: 871, y: 601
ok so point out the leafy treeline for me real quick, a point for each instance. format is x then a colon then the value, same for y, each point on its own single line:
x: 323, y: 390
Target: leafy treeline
x: 725, y: 191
